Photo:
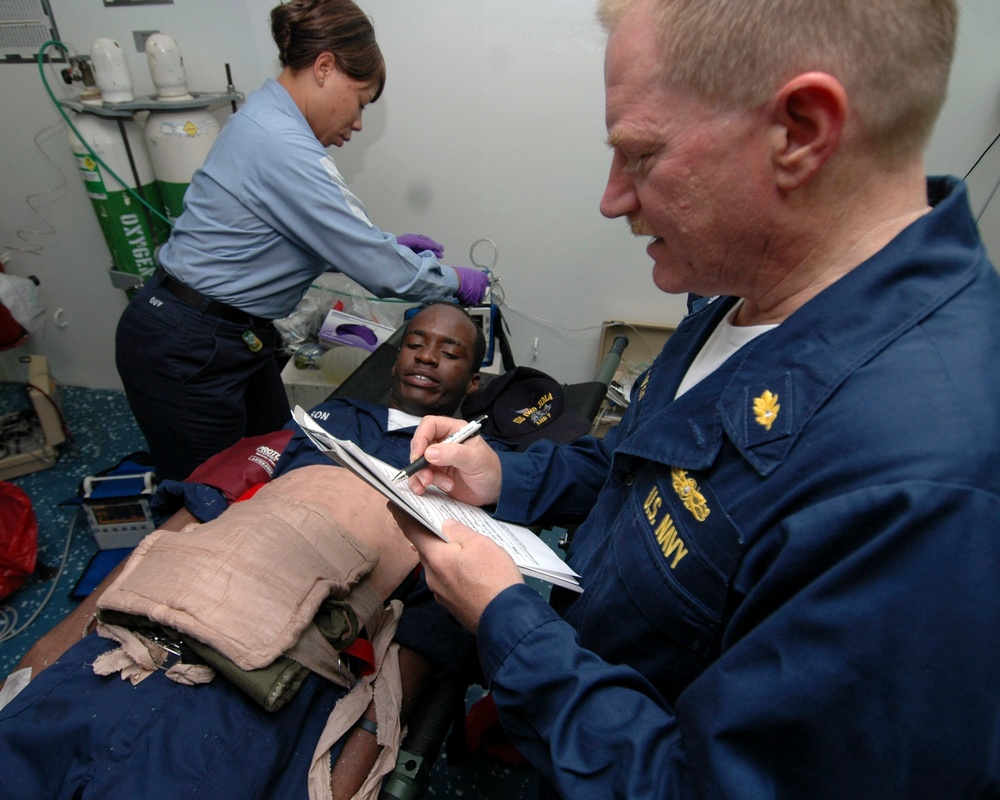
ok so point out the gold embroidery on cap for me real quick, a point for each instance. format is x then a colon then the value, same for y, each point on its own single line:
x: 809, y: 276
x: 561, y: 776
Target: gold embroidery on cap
x: 766, y: 408
x: 687, y: 491
x: 538, y: 414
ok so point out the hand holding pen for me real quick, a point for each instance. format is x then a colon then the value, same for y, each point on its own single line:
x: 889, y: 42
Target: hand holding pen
x: 469, y: 472
x: 462, y: 434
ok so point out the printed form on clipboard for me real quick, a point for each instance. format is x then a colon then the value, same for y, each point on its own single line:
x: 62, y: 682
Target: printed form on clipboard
x: 532, y: 556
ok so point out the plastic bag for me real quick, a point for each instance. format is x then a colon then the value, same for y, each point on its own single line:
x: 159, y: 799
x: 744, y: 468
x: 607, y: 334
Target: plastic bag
x: 335, y: 291
x: 21, y: 297
x: 301, y: 326
x: 18, y: 538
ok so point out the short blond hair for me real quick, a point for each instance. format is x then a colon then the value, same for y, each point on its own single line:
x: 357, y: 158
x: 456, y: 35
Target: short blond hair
x: 893, y: 57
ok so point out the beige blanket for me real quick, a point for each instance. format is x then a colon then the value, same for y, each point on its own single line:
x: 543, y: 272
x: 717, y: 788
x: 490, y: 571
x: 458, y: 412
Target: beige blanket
x: 250, y: 581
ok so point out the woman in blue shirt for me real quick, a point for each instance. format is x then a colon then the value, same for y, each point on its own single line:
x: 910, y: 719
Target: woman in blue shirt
x: 265, y: 215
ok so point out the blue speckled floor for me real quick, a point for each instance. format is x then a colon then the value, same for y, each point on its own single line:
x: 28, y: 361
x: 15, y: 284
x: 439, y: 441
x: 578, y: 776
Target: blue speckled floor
x: 104, y: 432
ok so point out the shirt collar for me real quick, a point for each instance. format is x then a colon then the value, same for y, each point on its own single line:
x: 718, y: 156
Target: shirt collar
x: 283, y: 100
x: 769, y: 390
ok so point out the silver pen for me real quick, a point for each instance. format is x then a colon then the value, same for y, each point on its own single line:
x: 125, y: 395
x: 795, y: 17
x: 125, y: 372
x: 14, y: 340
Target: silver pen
x: 463, y: 433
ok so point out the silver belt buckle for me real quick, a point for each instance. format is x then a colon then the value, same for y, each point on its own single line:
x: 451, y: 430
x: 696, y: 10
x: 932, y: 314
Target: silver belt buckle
x: 170, y: 647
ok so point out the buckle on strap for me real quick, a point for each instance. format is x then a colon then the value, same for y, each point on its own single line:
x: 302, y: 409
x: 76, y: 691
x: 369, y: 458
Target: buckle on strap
x: 173, y: 649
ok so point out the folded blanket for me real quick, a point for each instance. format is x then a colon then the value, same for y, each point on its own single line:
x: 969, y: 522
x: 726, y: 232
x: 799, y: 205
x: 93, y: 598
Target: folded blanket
x: 249, y: 582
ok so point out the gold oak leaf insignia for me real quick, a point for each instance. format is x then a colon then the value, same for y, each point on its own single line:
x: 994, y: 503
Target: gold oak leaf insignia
x: 765, y: 409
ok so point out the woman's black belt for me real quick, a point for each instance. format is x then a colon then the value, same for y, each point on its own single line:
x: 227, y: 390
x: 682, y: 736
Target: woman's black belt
x: 207, y: 305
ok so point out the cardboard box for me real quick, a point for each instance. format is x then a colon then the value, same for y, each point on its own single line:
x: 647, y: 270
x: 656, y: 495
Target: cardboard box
x: 305, y: 387
x: 646, y: 339
x: 44, y: 397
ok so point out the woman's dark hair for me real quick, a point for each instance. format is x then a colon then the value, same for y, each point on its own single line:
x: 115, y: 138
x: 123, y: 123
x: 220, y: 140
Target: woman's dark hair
x: 304, y: 29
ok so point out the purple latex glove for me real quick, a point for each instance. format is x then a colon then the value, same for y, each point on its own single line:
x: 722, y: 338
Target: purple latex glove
x: 472, y: 285
x: 418, y: 243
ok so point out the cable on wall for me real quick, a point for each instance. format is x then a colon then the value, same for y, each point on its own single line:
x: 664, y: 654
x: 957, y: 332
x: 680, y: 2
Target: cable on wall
x: 23, y: 235
x: 996, y: 185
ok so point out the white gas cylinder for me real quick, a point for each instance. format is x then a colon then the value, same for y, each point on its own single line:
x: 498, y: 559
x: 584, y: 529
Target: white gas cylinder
x: 111, y: 71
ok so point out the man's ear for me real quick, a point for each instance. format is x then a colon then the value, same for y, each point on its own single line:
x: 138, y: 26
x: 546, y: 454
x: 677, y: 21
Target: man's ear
x: 473, y: 386
x: 808, y: 117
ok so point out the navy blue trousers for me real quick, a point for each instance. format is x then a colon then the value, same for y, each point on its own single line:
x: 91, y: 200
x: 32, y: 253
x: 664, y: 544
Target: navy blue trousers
x: 74, y: 735
x: 192, y: 383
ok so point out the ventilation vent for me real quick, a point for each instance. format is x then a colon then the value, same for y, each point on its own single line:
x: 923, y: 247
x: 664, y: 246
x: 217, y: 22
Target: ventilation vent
x: 25, y: 25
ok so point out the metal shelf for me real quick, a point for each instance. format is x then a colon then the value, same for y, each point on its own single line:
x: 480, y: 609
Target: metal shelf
x: 152, y: 103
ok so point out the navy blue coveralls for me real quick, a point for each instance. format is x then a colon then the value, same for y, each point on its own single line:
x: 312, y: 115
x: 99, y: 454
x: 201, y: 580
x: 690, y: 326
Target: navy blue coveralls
x: 792, y: 572
x: 73, y: 735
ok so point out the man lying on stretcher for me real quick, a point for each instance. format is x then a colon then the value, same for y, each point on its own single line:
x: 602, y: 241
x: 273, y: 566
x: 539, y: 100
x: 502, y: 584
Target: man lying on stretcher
x: 229, y: 745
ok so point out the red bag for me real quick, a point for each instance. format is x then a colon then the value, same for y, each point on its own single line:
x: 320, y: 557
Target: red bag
x: 18, y: 538
x: 11, y: 332
x: 242, y: 466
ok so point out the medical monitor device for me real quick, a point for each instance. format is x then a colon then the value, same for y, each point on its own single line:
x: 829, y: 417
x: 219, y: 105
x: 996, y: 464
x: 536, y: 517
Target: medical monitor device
x: 117, y: 508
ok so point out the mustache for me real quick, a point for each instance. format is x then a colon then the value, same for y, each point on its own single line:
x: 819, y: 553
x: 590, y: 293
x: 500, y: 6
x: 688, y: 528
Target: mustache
x: 640, y: 228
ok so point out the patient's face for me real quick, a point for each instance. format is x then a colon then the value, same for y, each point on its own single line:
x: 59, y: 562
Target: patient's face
x: 434, y: 371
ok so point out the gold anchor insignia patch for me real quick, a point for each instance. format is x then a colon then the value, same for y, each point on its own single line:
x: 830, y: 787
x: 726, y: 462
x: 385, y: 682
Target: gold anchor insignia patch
x: 766, y: 408
x: 687, y: 490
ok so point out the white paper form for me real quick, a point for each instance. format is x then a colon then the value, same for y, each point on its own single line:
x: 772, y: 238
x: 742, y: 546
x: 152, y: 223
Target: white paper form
x: 531, y: 555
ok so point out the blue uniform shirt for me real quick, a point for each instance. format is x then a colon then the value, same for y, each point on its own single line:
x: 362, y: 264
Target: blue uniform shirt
x: 792, y: 572
x: 268, y: 212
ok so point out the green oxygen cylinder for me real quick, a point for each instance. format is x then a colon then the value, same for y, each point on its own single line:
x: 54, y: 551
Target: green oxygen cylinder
x: 132, y: 232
